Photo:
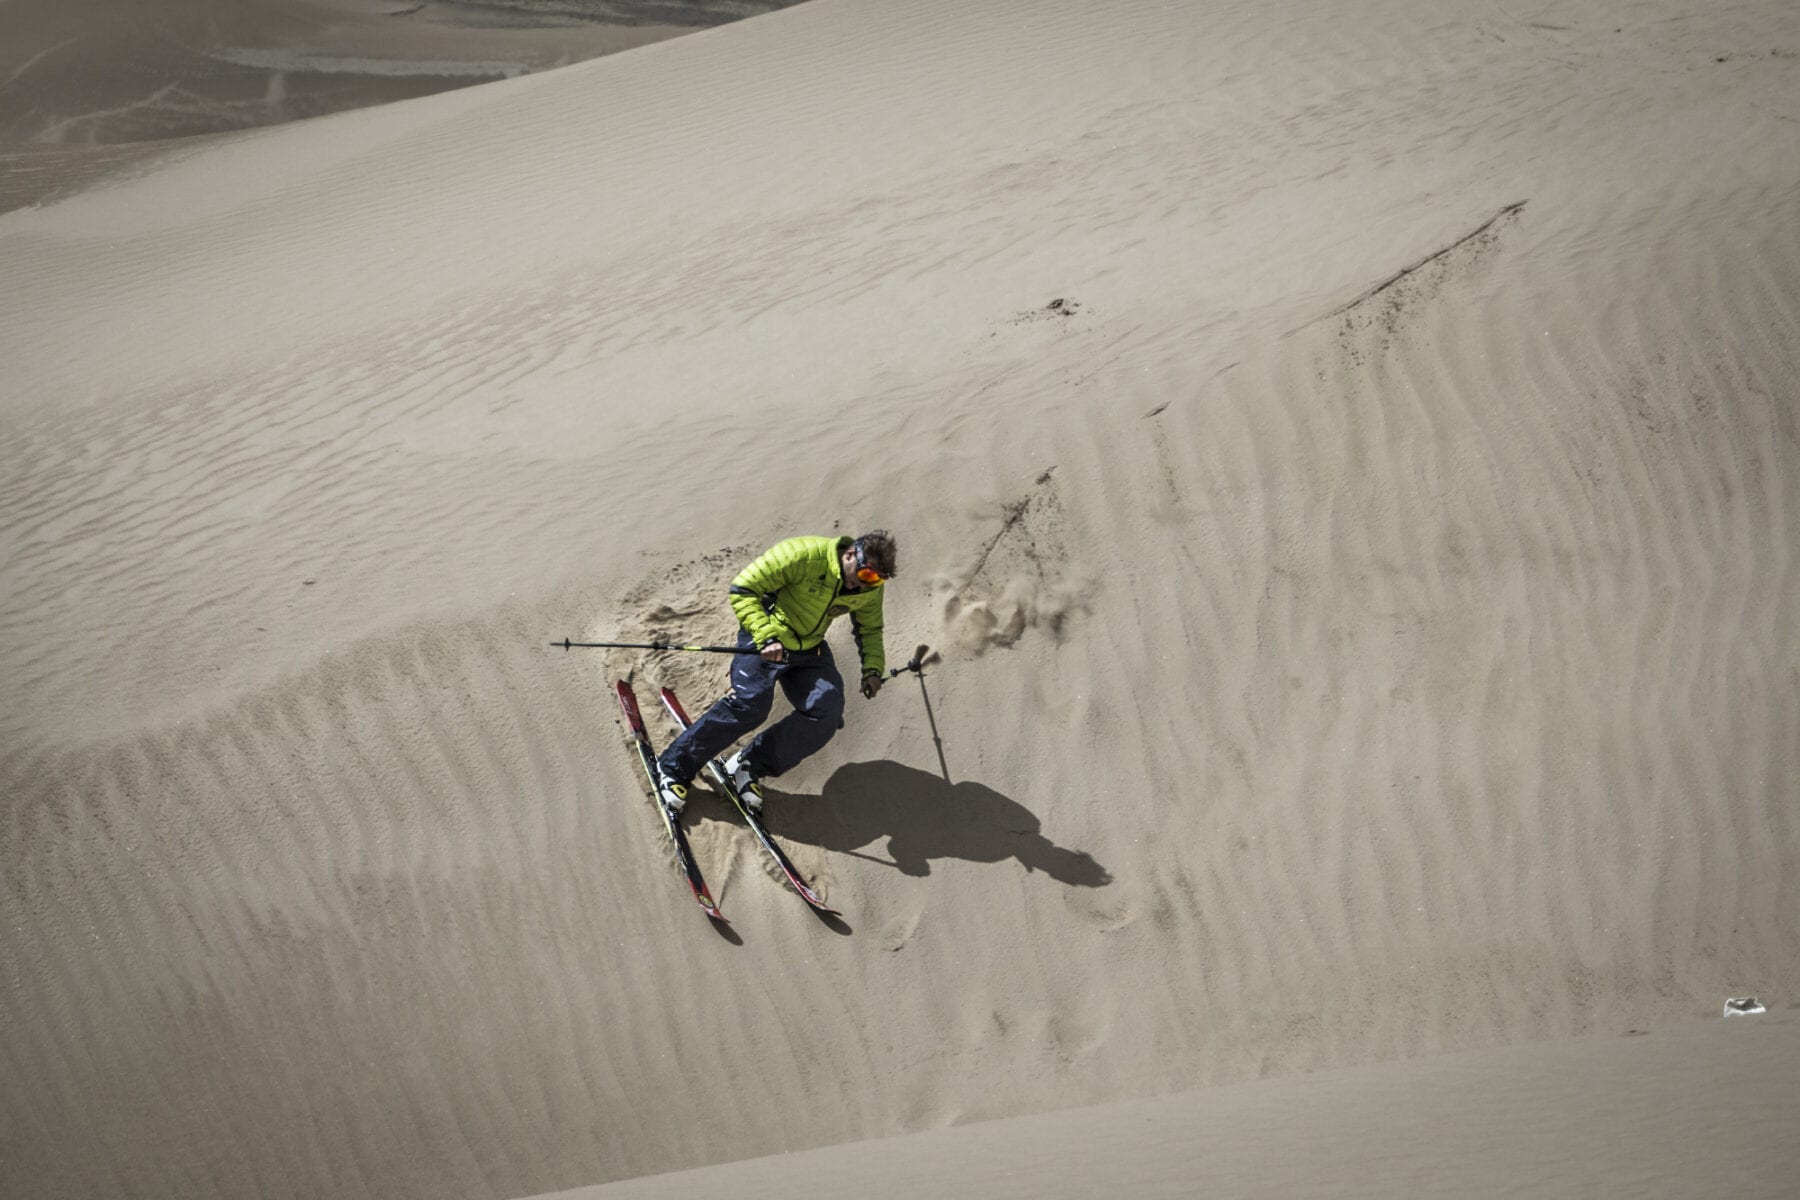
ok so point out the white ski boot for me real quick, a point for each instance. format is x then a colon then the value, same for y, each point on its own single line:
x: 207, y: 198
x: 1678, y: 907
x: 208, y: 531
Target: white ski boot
x: 745, y: 782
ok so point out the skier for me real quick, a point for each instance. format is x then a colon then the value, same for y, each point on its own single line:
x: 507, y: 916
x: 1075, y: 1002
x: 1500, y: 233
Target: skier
x: 785, y: 601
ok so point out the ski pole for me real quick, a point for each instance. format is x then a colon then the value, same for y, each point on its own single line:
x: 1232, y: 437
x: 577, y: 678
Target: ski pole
x: 916, y: 664
x: 923, y: 656
x: 566, y: 644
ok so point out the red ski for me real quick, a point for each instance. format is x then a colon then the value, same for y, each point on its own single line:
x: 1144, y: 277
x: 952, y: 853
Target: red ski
x: 683, y: 853
x: 750, y: 818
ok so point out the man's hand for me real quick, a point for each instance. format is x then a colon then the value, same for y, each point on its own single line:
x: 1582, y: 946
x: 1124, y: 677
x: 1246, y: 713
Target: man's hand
x: 871, y: 683
x: 774, y: 652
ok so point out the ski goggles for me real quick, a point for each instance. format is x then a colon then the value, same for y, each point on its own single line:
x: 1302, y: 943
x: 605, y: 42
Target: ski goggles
x: 864, y: 572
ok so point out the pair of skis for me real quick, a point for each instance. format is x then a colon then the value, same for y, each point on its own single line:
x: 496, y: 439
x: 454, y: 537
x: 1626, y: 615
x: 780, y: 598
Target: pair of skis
x: 684, y: 853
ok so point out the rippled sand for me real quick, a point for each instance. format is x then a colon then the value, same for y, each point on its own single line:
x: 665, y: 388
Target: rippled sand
x: 1348, y: 461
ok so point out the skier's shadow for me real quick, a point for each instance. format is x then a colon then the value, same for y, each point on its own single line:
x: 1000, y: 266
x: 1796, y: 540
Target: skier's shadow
x: 923, y: 817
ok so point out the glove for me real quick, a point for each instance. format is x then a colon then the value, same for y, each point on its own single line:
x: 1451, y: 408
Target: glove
x: 871, y: 683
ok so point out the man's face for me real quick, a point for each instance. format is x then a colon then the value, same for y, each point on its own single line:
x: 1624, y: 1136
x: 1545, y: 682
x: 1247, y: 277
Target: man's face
x: 853, y: 568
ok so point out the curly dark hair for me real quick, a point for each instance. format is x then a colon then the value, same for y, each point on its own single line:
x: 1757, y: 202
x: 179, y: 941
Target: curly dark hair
x: 882, y: 552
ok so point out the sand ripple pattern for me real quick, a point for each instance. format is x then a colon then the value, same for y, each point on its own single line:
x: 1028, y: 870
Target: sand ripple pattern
x: 408, y: 902
x: 1463, y: 614
x: 1367, y: 598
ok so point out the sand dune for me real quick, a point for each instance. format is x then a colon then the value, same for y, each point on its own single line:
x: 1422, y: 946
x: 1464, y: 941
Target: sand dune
x: 78, y: 82
x: 1348, y: 461
x: 1687, y: 1110
x: 115, y: 71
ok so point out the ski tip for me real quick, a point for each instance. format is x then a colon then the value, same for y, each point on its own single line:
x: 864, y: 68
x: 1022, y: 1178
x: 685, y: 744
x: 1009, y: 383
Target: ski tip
x: 628, y: 698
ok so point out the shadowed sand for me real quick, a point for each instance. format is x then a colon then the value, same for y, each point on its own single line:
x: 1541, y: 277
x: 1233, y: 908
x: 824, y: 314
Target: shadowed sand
x: 1347, y: 458
x: 92, y: 91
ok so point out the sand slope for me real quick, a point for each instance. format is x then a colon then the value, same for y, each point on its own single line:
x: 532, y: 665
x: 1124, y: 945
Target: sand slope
x: 1366, y: 597
x: 1688, y: 1110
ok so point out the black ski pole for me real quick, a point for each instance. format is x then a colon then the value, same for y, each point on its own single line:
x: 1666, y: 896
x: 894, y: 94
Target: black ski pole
x: 566, y: 644
x: 921, y: 658
x: 916, y: 664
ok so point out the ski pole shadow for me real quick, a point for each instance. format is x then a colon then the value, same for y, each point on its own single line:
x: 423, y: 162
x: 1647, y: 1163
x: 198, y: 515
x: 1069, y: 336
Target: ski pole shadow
x: 924, y: 817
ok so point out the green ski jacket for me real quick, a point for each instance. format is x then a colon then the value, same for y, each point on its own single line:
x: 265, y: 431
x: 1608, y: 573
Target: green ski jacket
x: 795, y: 591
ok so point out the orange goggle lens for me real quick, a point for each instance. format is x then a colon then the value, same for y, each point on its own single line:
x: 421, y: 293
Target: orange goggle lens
x: 864, y: 571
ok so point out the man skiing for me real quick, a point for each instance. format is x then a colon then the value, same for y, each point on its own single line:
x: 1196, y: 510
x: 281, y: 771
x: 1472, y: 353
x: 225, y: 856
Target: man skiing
x: 785, y: 602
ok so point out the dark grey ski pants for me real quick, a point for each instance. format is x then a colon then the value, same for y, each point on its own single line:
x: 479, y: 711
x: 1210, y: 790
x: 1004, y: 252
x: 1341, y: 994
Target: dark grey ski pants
x: 810, y: 681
